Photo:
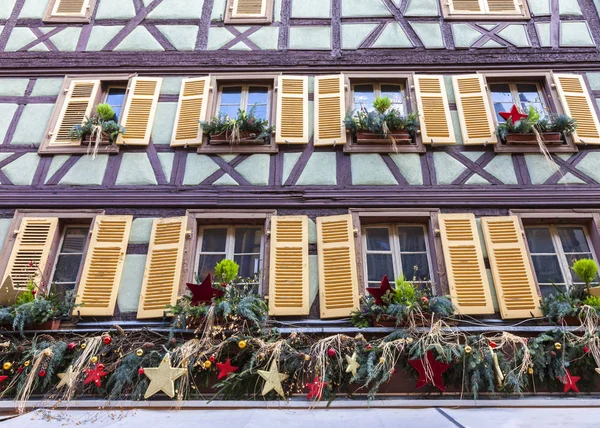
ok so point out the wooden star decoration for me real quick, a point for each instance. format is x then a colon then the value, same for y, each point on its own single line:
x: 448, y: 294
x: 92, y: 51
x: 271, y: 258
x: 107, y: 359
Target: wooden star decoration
x: 315, y: 389
x: 225, y: 369
x: 273, y: 379
x: 67, y: 378
x: 570, y: 382
x: 162, y: 378
x: 379, y: 292
x: 433, y: 375
x: 8, y: 293
x: 514, y: 114
x: 204, y: 293
x: 95, y: 375
x: 353, y: 365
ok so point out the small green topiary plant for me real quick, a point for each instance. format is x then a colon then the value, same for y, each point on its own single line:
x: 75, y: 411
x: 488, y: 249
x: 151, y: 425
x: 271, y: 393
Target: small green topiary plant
x: 382, y: 104
x: 586, y: 270
x: 226, y: 271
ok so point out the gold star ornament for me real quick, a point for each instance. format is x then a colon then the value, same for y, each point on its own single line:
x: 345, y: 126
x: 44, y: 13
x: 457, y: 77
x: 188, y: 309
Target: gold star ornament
x: 67, y: 378
x: 352, y: 364
x: 162, y: 378
x: 8, y: 293
x: 273, y: 379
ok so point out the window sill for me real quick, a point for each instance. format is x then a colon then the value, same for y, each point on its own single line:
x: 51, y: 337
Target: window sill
x: 111, y: 149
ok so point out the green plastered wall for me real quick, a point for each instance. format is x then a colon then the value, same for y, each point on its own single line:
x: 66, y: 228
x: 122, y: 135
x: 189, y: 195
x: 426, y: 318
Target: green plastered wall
x: 130, y: 287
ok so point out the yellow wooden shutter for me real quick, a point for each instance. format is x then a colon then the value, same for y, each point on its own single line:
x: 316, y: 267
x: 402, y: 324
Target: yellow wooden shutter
x: 249, y: 8
x: 139, y: 111
x: 434, y: 111
x: 503, y: 7
x: 577, y: 103
x: 292, y: 110
x: 77, y: 106
x: 288, y: 269
x: 160, y: 286
x: 330, y: 105
x: 70, y: 8
x: 29, y: 256
x: 513, y: 278
x: 191, y: 109
x: 469, y: 286
x: 474, y: 111
x: 338, y: 281
x: 103, y: 266
x: 465, y: 6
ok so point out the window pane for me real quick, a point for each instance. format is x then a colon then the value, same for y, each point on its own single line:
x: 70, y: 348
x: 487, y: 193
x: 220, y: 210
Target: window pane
x: 207, y: 264
x: 378, y: 239
x: 258, y: 99
x: 74, y: 241
x: 247, y: 240
x: 529, y: 96
x: 231, y: 99
x: 249, y: 265
x: 364, y: 96
x: 572, y: 258
x: 67, y: 267
x: 415, y: 267
x: 547, y: 290
x: 379, y: 265
x: 60, y: 290
x: 412, y: 239
x: 539, y: 240
x: 573, y: 240
x: 395, y: 94
x: 116, y: 98
x: 547, y: 269
x: 214, y: 240
x: 502, y: 98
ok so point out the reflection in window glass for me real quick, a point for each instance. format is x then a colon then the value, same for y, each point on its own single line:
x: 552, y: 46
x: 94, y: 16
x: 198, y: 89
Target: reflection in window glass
x: 116, y: 99
x: 69, y: 259
x: 413, y: 253
x: 231, y: 101
x: 258, y: 101
x: 364, y: 96
x: 523, y: 95
x: 394, y: 92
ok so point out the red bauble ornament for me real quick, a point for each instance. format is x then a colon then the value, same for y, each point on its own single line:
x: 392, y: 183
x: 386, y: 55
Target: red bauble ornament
x: 204, y: 293
x: 33, y: 292
x: 315, y: 389
x: 141, y: 371
x: 569, y: 381
x: 379, y: 292
x: 3, y: 378
x: 71, y: 346
x: 331, y: 352
x: 225, y: 369
x: 19, y: 370
x: 514, y: 115
x: 107, y: 339
x: 42, y: 373
x: 369, y: 346
x: 212, y: 359
x: 94, y: 375
x: 586, y: 349
x: 437, y: 369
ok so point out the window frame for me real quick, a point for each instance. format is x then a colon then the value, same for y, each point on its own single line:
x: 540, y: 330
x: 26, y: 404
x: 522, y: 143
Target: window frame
x: 267, y: 18
x: 107, y: 92
x: 550, y: 98
x: 410, y: 104
x: 244, y: 95
x: 49, y: 17
x: 63, y: 232
x: 217, y: 82
x: 482, y: 16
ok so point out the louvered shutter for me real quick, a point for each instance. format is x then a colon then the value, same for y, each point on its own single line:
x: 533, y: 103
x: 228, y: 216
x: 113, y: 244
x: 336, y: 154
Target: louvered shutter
x: 29, y: 256
x: 70, y: 8
x: 513, y: 277
x: 434, y: 110
x: 474, y: 111
x: 469, y: 286
x: 139, y: 111
x: 338, y: 281
x: 77, y: 106
x: 249, y: 8
x: 330, y: 107
x: 292, y: 110
x: 288, y: 269
x: 577, y: 103
x: 503, y: 6
x: 103, y: 266
x: 160, y: 286
x: 191, y: 109
x: 460, y: 7
x: 465, y: 6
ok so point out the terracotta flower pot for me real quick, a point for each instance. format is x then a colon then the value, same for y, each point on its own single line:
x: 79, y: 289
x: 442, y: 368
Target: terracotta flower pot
x: 401, y: 137
x: 48, y: 325
x: 245, y: 138
x: 90, y: 141
x: 548, y: 138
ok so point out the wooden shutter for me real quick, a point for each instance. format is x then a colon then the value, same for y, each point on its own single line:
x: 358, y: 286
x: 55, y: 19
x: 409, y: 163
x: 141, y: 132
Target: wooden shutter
x: 191, y: 109
x: 474, y: 111
x: 70, y: 8
x: 513, y: 278
x: 469, y: 286
x: 503, y: 6
x: 292, y: 110
x: 77, y: 106
x: 103, y: 266
x: 434, y: 110
x: 160, y: 286
x: 330, y: 104
x: 288, y: 294
x: 577, y: 103
x: 29, y: 256
x: 465, y: 6
x: 139, y: 111
x: 338, y: 281
x: 249, y: 8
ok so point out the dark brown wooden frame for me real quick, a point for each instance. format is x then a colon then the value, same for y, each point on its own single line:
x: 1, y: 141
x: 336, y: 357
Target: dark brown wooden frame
x: 48, y: 17
x: 267, y: 19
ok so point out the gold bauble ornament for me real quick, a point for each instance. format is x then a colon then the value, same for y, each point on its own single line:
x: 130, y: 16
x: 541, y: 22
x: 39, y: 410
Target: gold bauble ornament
x: 7, y: 366
x: 307, y: 357
x: 26, y: 363
x: 242, y: 344
x: 94, y: 360
x: 83, y: 345
x: 530, y: 370
x: 409, y: 340
x: 139, y: 352
x: 207, y: 364
x: 468, y: 349
x: 557, y: 346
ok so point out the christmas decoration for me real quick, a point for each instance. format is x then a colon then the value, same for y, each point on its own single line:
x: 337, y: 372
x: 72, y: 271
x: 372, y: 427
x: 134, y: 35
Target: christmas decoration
x: 71, y: 346
x: 242, y: 344
x: 139, y: 352
x: 514, y: 114
x: 225, y: 369
x: 212, y: 359
x: 8, y: 293
x: 379, y: 292
x: 468, y: 349
x: 162, y: 378
x: 141, y: 371
x: 493, y: 345
x: 353, y: 365
x: 7, y: 366
x: 42, y: 373
x: 67, y: 378
x: 430, y: 371
x: 3, y: 378
x: 273, y: 379
x: 570, y: 382
x: 95, y: 375
x: 94, y: 360
x: 83, y: 345
x: 106, y: 339
x: 315, y: 389
x: 530, y: 370
x: 558, y: 346
x: 331, y: 352
x: 207, y: 364
x: 204, y: 293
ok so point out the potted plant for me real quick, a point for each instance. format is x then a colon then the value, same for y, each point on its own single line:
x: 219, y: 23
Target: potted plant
x: 246, y: 128
x: 98, y: 130
x: 532, y: 129
x: 382, y: 124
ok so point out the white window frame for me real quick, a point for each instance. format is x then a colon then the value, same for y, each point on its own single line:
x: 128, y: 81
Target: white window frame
x: 512, y: 84
x: 244, y: 96
x: 63, y: 234
x: 395, y: 250
x: 116, y: 86
x: 230, y: 246
x: 377, y: 92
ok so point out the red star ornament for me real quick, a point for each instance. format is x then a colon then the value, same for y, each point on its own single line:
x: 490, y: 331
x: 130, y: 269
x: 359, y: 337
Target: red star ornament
x: 514, y: 114
x: 94, y: 375
x: 379, y: 292
x: 315, y: 389
x: 225, y: 369
x: 204, y: 293
x: 3, y: 378
x: 437, y: 369
x: 569, y: 381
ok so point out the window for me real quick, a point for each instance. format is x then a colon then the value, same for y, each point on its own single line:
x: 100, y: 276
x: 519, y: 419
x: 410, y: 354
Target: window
x: 364, y: 94
x: 249, y: 12
x: 69, y: 259
x: 553, y: 250
x: 67, y: 11
x: 522, y: 94
x: 242, y: 244
x: 394, y: 250
x: 245, y: 97
x: 485, y: 9
x: 115, y: 97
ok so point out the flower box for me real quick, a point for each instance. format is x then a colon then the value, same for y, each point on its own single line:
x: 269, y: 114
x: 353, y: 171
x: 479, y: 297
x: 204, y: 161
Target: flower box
x: 400, y: 137
x: 90, y: 140
x: 225, y: 138
x: 549, y: 138
x: 48, y: 325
